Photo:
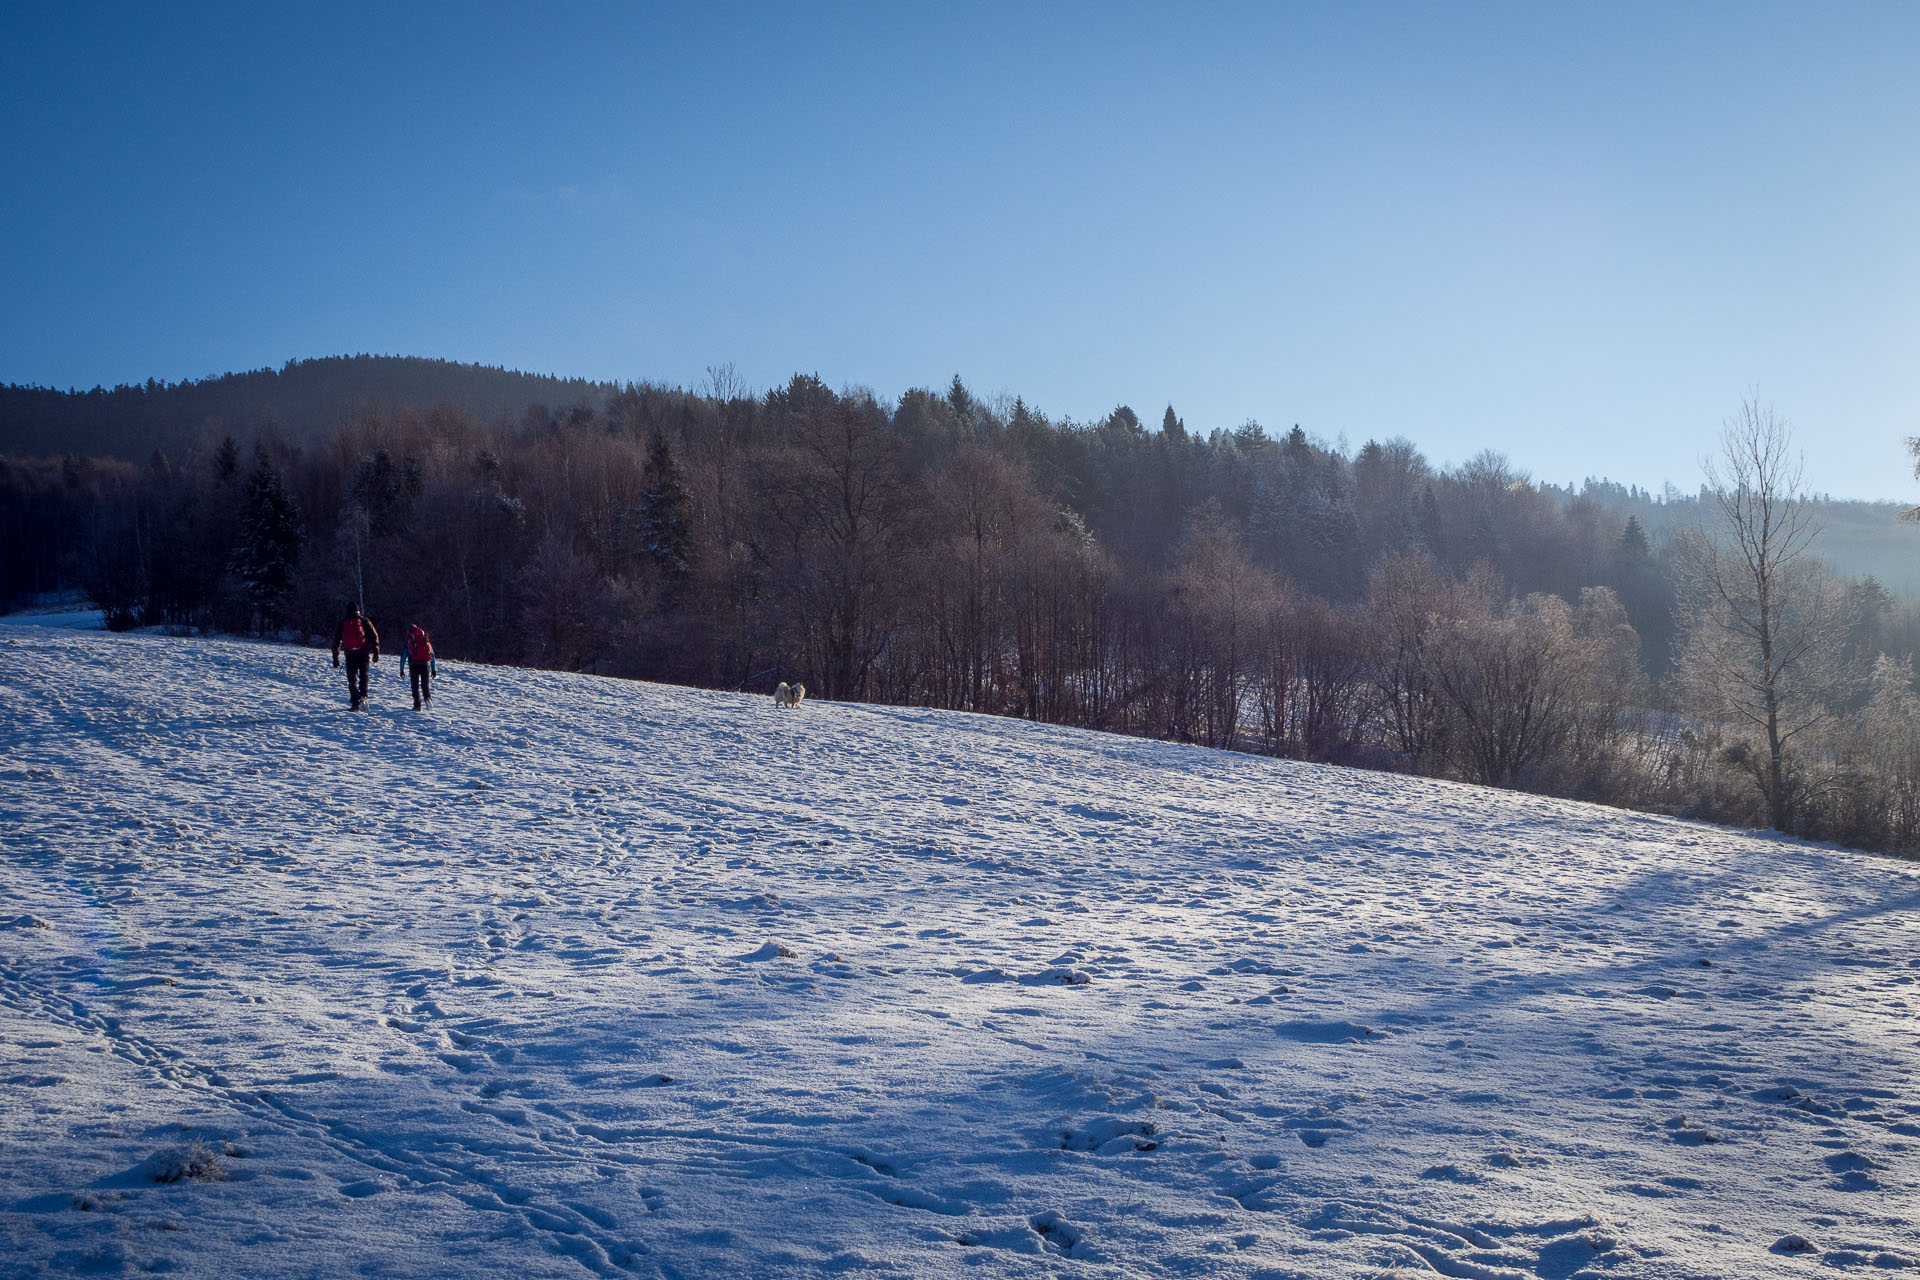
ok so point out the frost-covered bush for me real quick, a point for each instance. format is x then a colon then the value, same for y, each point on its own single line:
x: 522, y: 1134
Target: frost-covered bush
x: 195, y: 1162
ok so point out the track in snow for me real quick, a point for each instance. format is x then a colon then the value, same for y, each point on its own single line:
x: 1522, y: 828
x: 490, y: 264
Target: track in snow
x: 576, y: 976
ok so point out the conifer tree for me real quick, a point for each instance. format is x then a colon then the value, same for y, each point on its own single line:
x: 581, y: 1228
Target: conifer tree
x: 1647, y: 594
x: 960, y: 400
x: 269, y: 543
x: 1432, y: 526
x: 226, y: 460
x: 1634, y: 548
x: 666, y: 512
x: 386, y: 491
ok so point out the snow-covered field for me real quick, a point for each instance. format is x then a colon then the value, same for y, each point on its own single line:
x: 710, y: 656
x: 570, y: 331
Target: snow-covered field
x: 581, y: 976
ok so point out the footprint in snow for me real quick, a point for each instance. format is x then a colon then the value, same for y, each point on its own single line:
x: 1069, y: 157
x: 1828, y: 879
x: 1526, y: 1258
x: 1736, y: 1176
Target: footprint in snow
x: 1513, y: 1160
x: 1690, y: 1133
x: 1056, y: 977
x: 1866, y: 1255
x: 1855, y: 1171
x: 1315, y: 1032
x: 1110, y: 1137
x: 1059, y: 1235
x: 833, y: 965
x: 597, y: 1216
x: 1449, y: 1173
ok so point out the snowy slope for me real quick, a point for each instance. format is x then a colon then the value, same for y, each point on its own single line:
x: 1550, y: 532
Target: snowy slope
x: 577, y: 976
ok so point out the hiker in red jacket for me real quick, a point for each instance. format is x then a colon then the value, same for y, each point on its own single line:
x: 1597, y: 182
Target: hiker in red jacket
x: 417, y: 657
x: 362, y: 645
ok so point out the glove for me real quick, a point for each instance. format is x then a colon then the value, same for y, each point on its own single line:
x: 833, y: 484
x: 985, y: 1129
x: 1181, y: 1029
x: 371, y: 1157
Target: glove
x: 376, y: 657
x: 336, y: 662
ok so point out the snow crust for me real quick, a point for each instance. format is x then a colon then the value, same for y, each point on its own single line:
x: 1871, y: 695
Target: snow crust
x: 574, y: 976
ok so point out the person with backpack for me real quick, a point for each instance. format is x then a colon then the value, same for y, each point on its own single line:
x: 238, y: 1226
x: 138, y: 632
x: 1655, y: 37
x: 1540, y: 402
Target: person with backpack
x: 361, y: 644
x: 416, y: 658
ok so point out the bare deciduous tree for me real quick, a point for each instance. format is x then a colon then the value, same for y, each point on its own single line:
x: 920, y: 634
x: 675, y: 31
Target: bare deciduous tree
x: 1763, y: 629
x: 1913, y: 447
x: 1407, y: 600
x: 1331, y: 691
x: 840, y: 502
x: 1514, y: 681
x: 1217, y: 600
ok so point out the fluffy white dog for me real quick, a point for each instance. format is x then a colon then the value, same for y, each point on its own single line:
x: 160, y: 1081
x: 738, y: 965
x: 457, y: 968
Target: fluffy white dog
x: 788, y: 695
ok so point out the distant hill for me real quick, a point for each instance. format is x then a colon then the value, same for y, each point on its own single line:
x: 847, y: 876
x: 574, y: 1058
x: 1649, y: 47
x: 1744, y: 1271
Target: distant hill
x: 305, y: 399
x: 1861, y: 539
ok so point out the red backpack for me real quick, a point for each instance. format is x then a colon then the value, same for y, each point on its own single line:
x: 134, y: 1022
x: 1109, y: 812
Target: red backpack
x: 419, y: 648
x: 352, y: 634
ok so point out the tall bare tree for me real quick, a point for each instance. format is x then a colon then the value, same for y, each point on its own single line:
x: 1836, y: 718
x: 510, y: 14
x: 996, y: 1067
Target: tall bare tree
x: 1763, y: 629
x: 1407, y: 603
x: 839, y: 502
x: 1913, y: 447
x: 1216, y: 602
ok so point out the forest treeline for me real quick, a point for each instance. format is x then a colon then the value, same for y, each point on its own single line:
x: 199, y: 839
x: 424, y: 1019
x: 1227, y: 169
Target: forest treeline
x: 302, y: 401
x: 1236, y: 589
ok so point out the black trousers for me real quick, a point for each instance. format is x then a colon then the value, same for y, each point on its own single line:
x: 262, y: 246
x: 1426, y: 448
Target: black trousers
x: 420, y: 675
x: 357, y: 660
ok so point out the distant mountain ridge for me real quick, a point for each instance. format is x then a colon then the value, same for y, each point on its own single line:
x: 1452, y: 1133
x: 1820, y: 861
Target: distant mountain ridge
x: 305, y: 399
x: 1857, y: 537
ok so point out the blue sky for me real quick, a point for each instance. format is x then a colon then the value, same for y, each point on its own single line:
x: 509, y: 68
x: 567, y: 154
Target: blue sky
x: 1575, y: 234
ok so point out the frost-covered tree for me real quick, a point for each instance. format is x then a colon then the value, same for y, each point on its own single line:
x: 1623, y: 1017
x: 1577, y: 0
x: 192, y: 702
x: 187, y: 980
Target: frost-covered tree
x: 1514, y: 679
x: 1764, y: 621
x: 1408, y: 604
x: 1889, y: 741
x: 1217, y: 603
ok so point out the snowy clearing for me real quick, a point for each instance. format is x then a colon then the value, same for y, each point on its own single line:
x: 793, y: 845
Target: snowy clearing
x: 585, y: 977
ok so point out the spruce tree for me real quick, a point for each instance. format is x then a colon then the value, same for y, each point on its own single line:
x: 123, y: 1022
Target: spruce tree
x: 269, y: 543
x: 1646, y: 594
x: 386, y: 491
x: 226, y: 460
x: 960, y: 400
x: 1634, y: 548
x: 1432, y: 528
x: 666, y: 513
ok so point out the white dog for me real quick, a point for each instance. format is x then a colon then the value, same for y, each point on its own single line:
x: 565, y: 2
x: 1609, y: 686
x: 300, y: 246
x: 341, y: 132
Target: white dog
x: 788, y: 695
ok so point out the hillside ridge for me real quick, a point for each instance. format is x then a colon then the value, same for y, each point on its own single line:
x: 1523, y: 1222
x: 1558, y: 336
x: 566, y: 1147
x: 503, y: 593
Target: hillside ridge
x: 303, y: 398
